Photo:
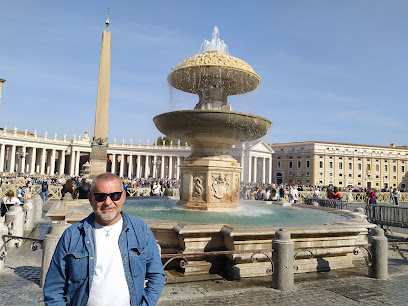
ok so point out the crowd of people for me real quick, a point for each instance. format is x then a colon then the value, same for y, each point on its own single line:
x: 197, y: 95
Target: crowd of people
x: 274, y: 192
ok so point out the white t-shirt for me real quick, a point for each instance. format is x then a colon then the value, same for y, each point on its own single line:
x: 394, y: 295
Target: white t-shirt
x: 109, y: 285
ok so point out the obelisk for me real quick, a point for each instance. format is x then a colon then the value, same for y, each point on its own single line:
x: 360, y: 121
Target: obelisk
x: 1, y: 85
x: 99, y: 153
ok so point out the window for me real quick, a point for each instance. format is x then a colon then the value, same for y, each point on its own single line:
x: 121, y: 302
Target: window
x: 290, y: 173
x: 386, y: 168
x: 359, y: 184
x: 279, y: 164
x: 299, y: 164
x: 331, y: 174
x: 320, y: 173
x: 359, y: 175
x: 394, y: 168
x: 350, y: 166
x: 377, y: 176
x: 350, y: 175
x: 307, y: 173
x: 377, y: 184
x: 368, y: 167
x: 402, y: 168
x: 386, y: 177
x: 320, y: 182
x: 291, y: 164
x: 341, y: 165
x: 330, y: 165
x: 359, y: 166
x: 340, y: 174
x: 308, y: 164
x: 321, y: 164
x: 377, y: 167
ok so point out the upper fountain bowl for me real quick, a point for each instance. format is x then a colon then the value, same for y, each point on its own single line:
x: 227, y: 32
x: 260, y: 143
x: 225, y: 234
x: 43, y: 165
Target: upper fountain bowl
x: 189, y: 74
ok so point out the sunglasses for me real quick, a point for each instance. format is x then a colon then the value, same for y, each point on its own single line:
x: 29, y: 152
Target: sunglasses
x: 114, y: 196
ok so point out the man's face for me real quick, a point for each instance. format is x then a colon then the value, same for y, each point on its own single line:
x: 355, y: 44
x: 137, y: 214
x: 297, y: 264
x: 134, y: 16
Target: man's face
x: 107, y: 212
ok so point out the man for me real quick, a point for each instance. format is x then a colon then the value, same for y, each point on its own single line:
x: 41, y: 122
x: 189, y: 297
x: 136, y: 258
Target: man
x: 44, y: 190
x: 105, y: 258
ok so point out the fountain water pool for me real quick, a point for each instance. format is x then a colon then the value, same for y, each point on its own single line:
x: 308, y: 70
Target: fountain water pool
x: 252, y: 214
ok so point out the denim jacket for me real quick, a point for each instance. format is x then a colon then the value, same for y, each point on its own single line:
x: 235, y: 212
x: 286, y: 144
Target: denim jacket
x: 69, y: 277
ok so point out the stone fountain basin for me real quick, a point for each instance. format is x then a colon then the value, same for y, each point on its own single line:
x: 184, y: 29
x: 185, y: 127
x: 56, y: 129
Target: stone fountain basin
x: 228, y: 126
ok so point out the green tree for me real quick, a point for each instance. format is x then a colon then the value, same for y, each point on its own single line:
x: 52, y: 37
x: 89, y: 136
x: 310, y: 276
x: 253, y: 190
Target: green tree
x: 167, y: 140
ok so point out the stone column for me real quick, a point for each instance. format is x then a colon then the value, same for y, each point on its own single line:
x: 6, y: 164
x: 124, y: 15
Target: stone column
x: 77, y: 159
x: 52, y: 161
x: 249, y: 168
x: 178, y: 168
x: 23, y: 160
x: 379, y: 251
x: 241, y: 162
x: 49, y: 245
x: 146, y: 174
x: 113, y: 168
x: 130, y: 168
x: 72, y: 163
x: 263, y: 170
x: 12, y: 159
x: 154, y: 166
x: 61, y: 169
x: 162, y: 164
x: 2, y: 151
x: 33, y: 159
x: 270, y: 171
x: 121, y: 165
x: 283, y: 260
x: 171, y: 167
x: 138, y: 166
x: 42, y: 163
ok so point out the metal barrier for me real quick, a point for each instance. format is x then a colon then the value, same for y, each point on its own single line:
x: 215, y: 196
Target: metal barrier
x: 390, y: 215
x: 338, y: 204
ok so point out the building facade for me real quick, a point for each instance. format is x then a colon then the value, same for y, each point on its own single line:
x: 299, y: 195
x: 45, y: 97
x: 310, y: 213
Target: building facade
x: 29, y: 153
x: 340, y: 164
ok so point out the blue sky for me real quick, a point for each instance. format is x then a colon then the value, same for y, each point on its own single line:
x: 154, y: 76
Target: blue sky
x: 331, y: 70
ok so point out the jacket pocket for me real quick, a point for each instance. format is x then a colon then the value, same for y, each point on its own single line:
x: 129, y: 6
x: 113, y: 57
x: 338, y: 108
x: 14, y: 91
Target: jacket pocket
x: 77, y: 264
x: 137, y: 258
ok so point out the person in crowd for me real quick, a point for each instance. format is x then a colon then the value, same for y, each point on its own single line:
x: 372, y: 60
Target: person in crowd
x: 9, y: 200
x: 20, y: 193
x: 109, y: 258
x: 397, y: 196
x: 83, y: 189
x: 274, y: 195
x: 316, y: 193
x: 282, y: 192
x: 156, y: 189
x: 28, y: 191
x: 293, y: 194
x: 391, y: 196
x: 69, y: 188
x: 44, y: 190
x: 373, y: 196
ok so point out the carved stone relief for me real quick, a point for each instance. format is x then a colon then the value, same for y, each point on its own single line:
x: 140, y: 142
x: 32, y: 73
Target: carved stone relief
x: 220, y: 185
x: 198, y: 187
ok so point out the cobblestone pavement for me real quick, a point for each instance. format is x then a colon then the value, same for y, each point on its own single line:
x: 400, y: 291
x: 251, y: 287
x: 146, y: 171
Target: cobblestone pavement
x: 19, y: 284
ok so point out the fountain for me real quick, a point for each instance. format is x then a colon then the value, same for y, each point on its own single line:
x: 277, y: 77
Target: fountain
x: 210, y: 176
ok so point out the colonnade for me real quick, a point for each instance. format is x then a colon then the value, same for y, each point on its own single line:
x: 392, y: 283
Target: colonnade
x: 145, y: 165
x: 39, y: 160
x: 28, y: 153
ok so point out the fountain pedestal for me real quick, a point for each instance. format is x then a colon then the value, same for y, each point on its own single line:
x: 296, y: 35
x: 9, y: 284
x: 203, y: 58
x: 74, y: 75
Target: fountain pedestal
x: 210, y: 183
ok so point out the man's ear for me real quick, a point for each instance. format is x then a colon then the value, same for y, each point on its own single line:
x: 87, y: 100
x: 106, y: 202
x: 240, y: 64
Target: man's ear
x: 90, y: 197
